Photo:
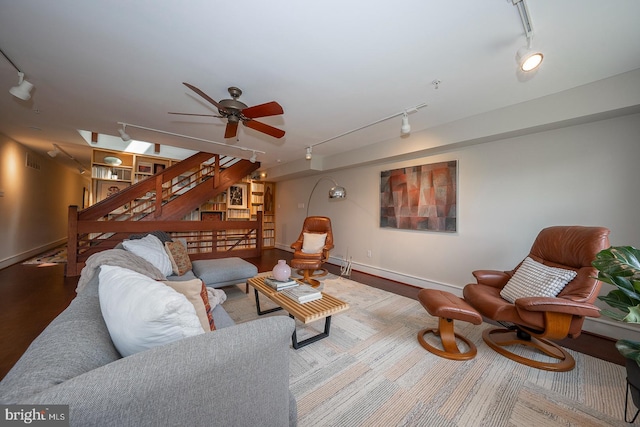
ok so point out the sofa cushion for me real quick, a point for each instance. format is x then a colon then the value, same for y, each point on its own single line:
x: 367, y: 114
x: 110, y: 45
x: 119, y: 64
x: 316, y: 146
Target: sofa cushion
x: 161, y: 235
x: 533, y: 279
x: 196, y: 293
x: 151, y: 249
x: 179, y: 257
x: 224, y: 271
x: 312, y: 243
x: 141, y: 313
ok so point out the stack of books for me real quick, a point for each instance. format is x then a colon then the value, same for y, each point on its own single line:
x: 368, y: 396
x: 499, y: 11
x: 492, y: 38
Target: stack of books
x: 303, y: 293
x: 279, y: 285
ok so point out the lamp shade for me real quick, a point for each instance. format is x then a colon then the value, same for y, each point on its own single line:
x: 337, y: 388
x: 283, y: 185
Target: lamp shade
x: 337, y: 192
x: 22, y: 91
x: 528, y: 59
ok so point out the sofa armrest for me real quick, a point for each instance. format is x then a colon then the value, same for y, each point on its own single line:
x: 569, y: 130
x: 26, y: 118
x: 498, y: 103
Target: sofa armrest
x: 234, y: 376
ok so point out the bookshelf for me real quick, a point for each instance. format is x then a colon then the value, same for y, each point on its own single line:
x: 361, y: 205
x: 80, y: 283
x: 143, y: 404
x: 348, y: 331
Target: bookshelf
x: 113, y: 171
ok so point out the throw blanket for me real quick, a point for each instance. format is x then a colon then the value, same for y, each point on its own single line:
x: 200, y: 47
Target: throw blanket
x: 116, y: 257
x: 216, y: 296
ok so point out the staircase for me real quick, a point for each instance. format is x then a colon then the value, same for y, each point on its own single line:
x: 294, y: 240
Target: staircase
x: 161, y: 202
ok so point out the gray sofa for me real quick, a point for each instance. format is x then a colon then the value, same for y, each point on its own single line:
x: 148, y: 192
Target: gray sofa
x: 237, y: 375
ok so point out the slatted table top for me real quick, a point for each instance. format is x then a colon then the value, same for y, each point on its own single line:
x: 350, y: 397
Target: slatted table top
x: 309, y: 311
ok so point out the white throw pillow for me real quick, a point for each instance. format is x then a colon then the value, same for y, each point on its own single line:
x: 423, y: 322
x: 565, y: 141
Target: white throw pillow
x: 142, y: 313
x: 312, y: 243
x: 533, y: 279
x: 151, y: 249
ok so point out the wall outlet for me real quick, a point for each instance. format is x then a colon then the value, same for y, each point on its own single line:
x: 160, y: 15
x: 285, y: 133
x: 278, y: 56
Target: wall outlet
x: 300, y: 205
x: 369, y: 253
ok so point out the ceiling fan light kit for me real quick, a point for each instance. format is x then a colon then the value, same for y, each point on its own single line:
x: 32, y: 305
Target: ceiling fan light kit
x: 237, y: 112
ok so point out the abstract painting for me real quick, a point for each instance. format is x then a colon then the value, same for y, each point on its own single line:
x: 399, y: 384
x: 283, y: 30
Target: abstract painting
x: 420, y: 197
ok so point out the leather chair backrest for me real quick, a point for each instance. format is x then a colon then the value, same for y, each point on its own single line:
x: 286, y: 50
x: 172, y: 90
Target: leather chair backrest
x: 574, y: 248
x: 318, y: 224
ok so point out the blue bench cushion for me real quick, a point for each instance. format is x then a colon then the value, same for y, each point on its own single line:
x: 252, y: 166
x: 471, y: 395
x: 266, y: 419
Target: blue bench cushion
x: 224, y: 271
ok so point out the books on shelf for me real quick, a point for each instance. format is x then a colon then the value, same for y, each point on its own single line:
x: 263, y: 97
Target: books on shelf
x: 303, y: 293
x: 278, y: 284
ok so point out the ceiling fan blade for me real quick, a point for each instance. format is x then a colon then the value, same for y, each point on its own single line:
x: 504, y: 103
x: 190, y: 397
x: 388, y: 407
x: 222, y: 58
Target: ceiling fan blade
x: 263, y: 110
x: 204, y: 95
x: 199, y: 115
x: 231, y: 130
x: 264, y: 128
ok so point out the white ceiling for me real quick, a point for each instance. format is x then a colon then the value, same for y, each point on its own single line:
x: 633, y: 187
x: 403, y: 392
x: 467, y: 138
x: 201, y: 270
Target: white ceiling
x: 333, y: 65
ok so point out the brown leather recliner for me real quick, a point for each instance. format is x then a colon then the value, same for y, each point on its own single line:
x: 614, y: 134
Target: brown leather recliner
x: 317, y: 225
x: 535, y: 320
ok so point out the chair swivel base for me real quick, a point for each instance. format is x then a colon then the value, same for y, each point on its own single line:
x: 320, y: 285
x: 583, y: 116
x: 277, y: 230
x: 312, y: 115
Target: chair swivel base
x: 448, y: 337
x: 500, y: 339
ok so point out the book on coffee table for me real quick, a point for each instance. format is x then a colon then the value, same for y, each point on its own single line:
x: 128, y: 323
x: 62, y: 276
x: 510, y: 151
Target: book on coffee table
x: 279, y: 284
x: 303, y: 293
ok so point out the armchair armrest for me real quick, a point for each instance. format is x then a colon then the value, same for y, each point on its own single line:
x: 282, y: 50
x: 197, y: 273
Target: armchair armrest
x: 494, y: 278
x: 557, y: 305
x: 297, y: 245
x: 233, y: 376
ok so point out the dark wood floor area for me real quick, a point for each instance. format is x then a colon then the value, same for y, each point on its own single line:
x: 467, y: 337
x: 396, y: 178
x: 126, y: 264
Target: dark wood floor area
x: 32, y: 296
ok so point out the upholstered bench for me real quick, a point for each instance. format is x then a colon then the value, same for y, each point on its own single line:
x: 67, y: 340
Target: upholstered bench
x: 448, y: 308
x: 220, y: 272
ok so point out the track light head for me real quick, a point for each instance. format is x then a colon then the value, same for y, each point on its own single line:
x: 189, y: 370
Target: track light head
x: 23, y: 90
x: 254, y: 157
x: 528, y: 59
x: 123, y: 134
x: 406, y: 127
x: 308, y: 155
x: 52, y: 153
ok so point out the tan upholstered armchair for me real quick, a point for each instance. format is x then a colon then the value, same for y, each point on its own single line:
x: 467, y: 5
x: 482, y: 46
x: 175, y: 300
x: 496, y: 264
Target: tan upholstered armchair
x: 534, y: 320
x: 316, y: 226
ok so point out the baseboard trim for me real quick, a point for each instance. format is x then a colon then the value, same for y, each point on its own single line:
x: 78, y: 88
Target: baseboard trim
x: 18, y: 258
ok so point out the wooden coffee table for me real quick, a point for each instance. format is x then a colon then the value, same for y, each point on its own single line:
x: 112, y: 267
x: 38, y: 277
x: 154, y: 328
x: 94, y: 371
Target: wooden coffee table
x: 308, y: 312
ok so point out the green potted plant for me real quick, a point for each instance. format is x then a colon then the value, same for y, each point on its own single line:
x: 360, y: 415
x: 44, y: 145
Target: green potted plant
x: 620, y: 266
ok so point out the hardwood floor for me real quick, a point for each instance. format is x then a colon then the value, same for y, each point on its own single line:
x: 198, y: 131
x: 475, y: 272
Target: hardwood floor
x: 31, y: 297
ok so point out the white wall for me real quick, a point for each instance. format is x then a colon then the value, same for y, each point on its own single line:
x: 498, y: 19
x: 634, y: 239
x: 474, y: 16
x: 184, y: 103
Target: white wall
x: 34, y: 207
x: 508, y: 190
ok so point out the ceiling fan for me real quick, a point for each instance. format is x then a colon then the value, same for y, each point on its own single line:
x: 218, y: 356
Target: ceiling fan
x: 235, y: 112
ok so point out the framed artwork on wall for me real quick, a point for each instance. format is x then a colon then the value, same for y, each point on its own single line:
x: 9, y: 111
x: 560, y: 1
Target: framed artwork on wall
x: 144, y: 167
x: 237, y: 197
x: 269, y: 198
x: 420, y: 197
x: 109, y: 188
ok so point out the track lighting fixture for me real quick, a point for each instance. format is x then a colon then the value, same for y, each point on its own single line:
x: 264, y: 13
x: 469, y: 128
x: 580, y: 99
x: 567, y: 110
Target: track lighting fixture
x: 54, y: 152
x: 406, y: 127
x: 123, y: 134
x: 527, y: 58
x: 308, y: 155
x: 23, y: 90
x: 254, y: 157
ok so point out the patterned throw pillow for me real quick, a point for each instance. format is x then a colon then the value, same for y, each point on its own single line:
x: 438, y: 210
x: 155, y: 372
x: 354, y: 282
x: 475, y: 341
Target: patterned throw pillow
x: 205, y: 298
x: 179, y: 257
x: 533, y: 279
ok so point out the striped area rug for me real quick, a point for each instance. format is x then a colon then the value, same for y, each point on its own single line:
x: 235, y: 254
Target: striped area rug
x: 371, y: 371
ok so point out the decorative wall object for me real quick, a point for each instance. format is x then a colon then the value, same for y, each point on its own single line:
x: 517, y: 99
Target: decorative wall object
x: 420, y: 197
x: 237, y: 197
x: 109, y: 188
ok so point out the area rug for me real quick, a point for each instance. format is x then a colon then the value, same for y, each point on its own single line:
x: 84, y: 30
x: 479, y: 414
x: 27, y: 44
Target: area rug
x: 54, y: 256
x: 371, y: 371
